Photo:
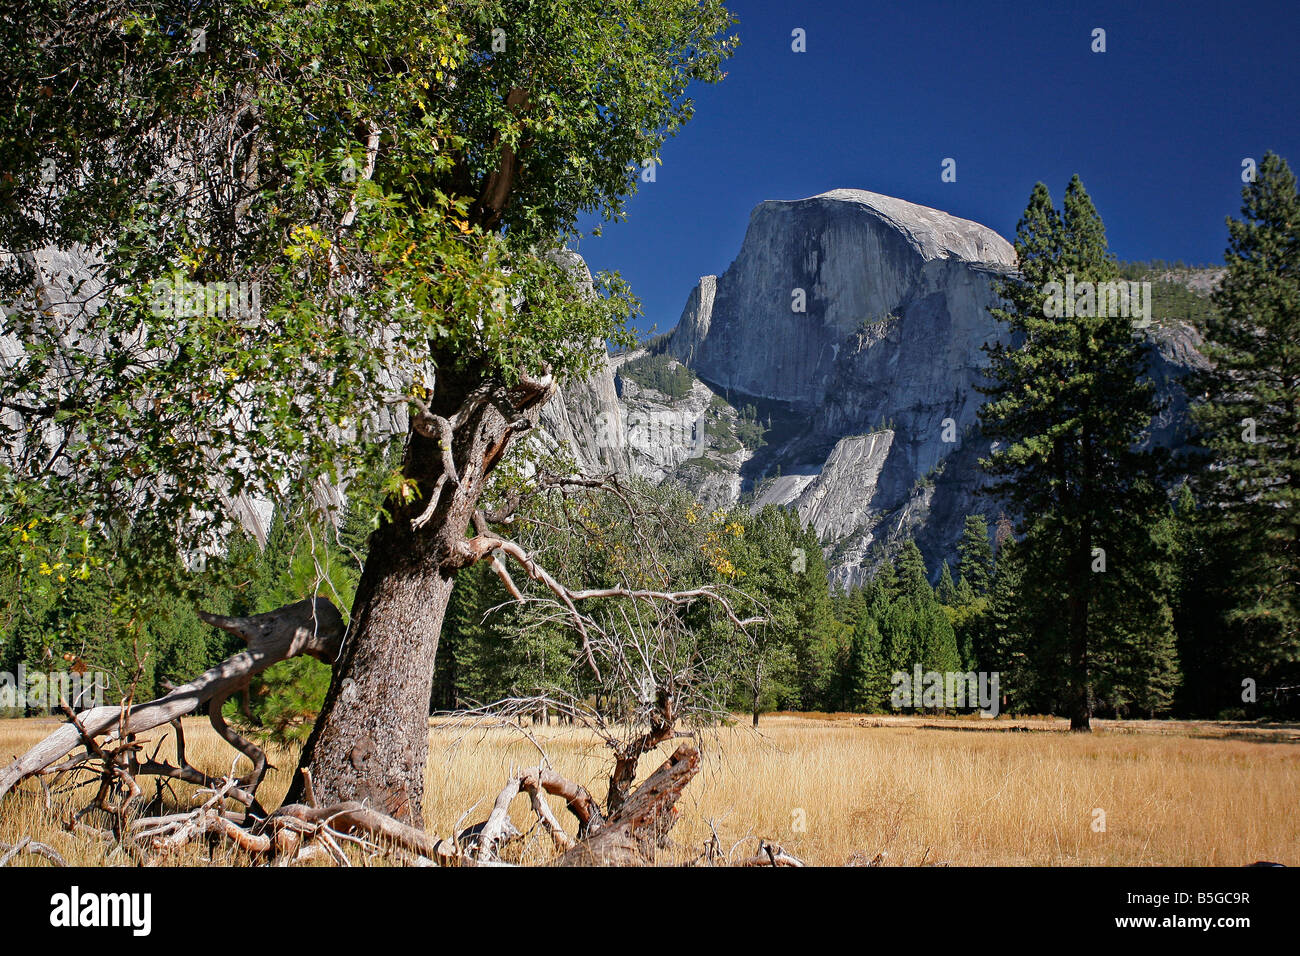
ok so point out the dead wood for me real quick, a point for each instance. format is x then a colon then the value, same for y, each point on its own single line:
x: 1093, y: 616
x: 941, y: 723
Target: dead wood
x: 294, y: 833
x: 627, y: 755
x: 29, y: 846
x: 313, y: 626
x: 770, y: 854
x: 481, y: 842
x: 632, y: 836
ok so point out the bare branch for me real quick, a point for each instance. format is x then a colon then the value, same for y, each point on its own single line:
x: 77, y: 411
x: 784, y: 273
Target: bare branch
x: 31, y: 847
x: 312, y: 627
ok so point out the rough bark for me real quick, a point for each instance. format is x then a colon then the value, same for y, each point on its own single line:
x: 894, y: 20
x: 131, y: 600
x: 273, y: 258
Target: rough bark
x: 370, y: 743
x: 1080, y: 665
x: 632, y: 836
x: 663, y: 717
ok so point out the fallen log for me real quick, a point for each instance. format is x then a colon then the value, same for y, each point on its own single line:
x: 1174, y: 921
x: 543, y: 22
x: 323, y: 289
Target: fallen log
x: 484, y: 839
x: 313, y: 626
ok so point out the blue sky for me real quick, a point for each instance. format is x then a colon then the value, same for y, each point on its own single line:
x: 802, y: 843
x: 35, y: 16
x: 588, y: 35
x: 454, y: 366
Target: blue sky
x: 1157, y: 126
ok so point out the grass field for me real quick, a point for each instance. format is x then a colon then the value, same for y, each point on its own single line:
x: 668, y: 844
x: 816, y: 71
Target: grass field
x: 837, y: 789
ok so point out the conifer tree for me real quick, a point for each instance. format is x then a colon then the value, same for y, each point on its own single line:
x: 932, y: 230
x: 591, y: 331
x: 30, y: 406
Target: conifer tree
x: 945, y: 592
x: 818, y: 633
x: 1068, y: 403
x: 975, y: 554
x: 1004, y: 635
x: 1250, y: 422
x: 913, y: 581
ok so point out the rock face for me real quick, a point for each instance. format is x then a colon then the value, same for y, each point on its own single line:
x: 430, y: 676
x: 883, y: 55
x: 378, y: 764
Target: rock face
x: 688, y: 438
x: 861, y: 316
x: 849, y: 331
x: 859, y: 267
x: 585, y: 416
x: 836, y: 500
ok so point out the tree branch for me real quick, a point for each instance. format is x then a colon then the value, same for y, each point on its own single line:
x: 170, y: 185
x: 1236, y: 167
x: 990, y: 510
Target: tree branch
x: 312, y: 627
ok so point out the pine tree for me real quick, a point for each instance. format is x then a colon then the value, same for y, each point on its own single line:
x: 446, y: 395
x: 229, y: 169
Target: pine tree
x: 945, y: 592
x: 965, y: 593
x: 1003, y: 645
x: 936, y: 639
x: 1213, y: 652
x: 882, y: 587
x: 913, y: 581
x: 818, y: 634
x: 899, y: 647
x: 852, y: 611
x: 1250, y: 421
x: 1068, y: 403
x: 968, y: 610
x: 866, y: 680
x: 975, y: 554
x: 767, y: 661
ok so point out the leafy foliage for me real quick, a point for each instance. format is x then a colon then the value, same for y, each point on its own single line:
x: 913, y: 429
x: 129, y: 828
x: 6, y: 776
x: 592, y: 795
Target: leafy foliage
x: 341, y: 157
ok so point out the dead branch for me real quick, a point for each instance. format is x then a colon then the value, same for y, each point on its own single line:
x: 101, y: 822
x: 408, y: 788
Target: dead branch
x: 485, y: 839
x: 256, y: 755
x: 770, y: 854
x: 633, y: 835
x: 29, y: 846
x: 487, y: 546
x: 292, y: 833
x: 508, y: 714
x: 313, y: 627
x: 628, y: 838
x: 493, y: 830
x: 627, y: 755
x: 533, y: 787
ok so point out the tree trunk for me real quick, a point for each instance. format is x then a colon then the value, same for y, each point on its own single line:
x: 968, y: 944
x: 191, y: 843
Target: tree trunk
x: 1080, y: 665
x: 755, y: 718
x: 371, y: 740
x: 1079, y: 586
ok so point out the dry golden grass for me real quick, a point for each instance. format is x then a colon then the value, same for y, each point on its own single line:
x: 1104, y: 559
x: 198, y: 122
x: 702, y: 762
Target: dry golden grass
x: 920, y: 790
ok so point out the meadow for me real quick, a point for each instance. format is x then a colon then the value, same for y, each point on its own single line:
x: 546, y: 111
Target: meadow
x: 851, y: 790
